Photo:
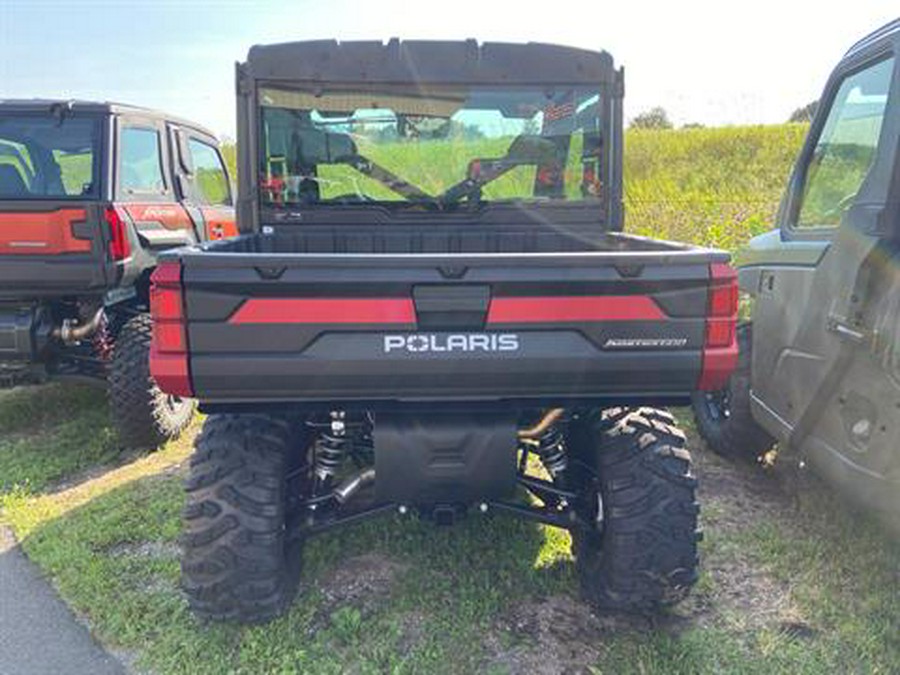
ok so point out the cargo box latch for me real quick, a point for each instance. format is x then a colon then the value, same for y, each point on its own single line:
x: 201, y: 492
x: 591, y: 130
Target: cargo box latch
x: 451, y: 307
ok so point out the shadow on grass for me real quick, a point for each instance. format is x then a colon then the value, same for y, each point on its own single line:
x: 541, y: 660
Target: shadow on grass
x: 400, y: 595
x: 105, y: 529
x: 426, y: 597
x: 51, y: 432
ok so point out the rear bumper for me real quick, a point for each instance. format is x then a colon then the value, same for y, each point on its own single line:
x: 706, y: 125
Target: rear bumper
x: 64, y: 275
x: 547, y: 366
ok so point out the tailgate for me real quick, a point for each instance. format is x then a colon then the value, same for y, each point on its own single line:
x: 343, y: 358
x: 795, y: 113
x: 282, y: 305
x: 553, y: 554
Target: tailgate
x: 549, y: 327
x: 51, y: 249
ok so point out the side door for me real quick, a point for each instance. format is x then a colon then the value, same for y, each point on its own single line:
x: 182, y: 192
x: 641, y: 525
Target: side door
x: 825, y: 375
x: 204, y: 185
x: 145, y: 190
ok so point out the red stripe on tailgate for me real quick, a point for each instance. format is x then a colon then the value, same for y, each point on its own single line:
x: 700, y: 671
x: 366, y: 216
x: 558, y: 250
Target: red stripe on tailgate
x: 568, y: 309
x: 326, y: 311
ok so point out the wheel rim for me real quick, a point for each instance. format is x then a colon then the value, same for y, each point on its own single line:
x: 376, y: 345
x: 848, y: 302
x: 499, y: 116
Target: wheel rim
x: 591, y: 508
x: 175, y: 409
x: 174, y: 404
x: 717, y: 405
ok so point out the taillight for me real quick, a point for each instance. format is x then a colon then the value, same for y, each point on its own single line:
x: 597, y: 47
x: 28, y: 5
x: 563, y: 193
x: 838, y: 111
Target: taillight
x: 119, y: 248
x: 720, y: 351
x: 168, y: 345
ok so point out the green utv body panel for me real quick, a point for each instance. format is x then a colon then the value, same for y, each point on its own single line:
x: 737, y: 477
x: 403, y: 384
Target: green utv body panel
x: 770, y: 250
x: 826, y: 321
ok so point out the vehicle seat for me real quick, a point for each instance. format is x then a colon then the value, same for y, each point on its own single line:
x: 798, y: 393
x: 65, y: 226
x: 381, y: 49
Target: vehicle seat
x: 311, y: 147
x: 12, y: 184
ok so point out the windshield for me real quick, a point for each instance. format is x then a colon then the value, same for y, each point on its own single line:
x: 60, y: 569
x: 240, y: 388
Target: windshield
x: 42, y: 156
x: 435, y: 148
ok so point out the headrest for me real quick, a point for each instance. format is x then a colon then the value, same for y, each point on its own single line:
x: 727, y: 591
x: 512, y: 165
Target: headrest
x: 11, y: 182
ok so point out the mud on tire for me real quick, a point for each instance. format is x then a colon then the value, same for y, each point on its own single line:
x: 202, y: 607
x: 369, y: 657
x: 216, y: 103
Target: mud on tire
x: 237, y: 563
x: 724, y: 419
x: 638, y: 493
x: 144, y: 416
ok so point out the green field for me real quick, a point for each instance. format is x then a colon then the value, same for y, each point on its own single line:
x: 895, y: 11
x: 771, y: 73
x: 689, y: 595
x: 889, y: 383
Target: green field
x: 792, y: 582
x: 717, y: 187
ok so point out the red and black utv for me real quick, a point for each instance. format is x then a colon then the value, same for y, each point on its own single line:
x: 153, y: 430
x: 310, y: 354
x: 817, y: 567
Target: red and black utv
x: 90, y: 193
x: 432, y: 288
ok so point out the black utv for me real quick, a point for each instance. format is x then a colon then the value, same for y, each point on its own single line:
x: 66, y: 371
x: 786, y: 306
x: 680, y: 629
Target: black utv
x: 432, y: 309
x: 90, y: 194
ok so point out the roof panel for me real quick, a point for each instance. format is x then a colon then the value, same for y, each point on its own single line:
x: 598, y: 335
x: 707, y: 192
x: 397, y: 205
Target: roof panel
x: 428, y: 61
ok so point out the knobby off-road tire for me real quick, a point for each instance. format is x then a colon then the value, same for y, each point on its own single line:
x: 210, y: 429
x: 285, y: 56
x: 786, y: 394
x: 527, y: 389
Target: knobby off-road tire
x: 639, y: 552
x: 724, y: 419
x: 237, y: 562
x: 145, y: 416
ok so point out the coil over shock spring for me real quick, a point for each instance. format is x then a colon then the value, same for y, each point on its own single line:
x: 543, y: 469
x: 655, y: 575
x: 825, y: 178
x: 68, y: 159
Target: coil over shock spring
x: 339, y: 437
x: 103, y: 341
x: 331, y: 446
x: 551, y: 449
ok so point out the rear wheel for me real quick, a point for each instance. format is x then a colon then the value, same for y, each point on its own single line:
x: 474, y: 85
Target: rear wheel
x: 238, y: 562
x: 724, y: 418
x: 144, y: 415
x: 637, y: 549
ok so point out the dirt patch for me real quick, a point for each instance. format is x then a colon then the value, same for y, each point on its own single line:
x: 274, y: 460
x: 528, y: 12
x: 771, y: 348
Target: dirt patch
x: 747, y: 598
x: 164, y: 585
x: 735, y: 496
x: 412, y: 631
x: 554, y: 636
x: 737, y: 493
x: 145, y: 549
x: 362, y: 581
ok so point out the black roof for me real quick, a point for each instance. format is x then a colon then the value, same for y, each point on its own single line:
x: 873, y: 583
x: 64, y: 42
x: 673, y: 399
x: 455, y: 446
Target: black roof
x: 102, y: 107
x: 888, y: 32
x: 433, y: 62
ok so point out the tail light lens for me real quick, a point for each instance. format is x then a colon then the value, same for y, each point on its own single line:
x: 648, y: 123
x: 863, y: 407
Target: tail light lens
x: 119, y: 246
x: 720, y: 351
x: 169, y: 364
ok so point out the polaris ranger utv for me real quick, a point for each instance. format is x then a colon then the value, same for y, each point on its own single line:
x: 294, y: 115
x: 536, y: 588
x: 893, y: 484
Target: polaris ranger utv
x: 432, y: 304
x: 819, y: 368
x: 90, y: 193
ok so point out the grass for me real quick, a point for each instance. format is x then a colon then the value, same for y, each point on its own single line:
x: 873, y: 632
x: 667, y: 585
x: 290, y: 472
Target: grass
x: 397, y: 595
x: 716, y: 187
x: 799, y: 585
x: 44, y: 440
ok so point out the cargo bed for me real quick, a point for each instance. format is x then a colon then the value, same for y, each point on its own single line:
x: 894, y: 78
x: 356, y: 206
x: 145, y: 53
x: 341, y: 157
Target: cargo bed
x: 332, y: 316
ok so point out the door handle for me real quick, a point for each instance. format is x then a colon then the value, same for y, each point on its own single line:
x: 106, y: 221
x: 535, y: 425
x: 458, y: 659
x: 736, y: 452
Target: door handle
x: 850, y: 332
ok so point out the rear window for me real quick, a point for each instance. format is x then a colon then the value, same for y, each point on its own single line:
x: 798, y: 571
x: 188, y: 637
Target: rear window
x: 420, y: 147
x: 43, y: 157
